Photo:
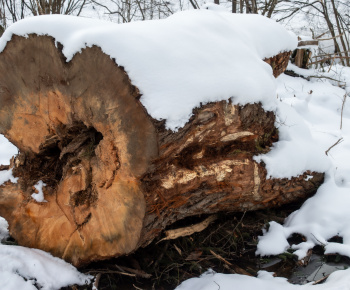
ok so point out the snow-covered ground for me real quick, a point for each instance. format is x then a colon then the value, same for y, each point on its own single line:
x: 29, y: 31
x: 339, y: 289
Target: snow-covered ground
x: 200, y: 56
x: 265, y: 281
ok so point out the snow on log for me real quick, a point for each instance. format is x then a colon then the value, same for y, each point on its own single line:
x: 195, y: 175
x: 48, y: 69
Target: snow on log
x: 110, y: 174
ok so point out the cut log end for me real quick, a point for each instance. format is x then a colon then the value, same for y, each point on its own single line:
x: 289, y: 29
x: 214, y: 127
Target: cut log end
x: 115, y: 177
x: 72, y: 124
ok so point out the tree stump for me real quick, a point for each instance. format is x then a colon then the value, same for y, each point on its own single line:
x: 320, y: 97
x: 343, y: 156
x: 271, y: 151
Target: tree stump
x: 115, y: 177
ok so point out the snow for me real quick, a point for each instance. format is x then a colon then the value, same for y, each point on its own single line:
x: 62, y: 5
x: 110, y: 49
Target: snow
x: 265, y: 281
x: 3, y: 229
x: 39, y: 197
x: 21, y: 267
x: 326, y: 214
x: 6, y: 175
x: 7, y: 150
x: 190, y: 58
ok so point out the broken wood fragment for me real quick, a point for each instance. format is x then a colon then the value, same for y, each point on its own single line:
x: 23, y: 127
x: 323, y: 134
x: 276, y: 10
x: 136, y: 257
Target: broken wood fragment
x: 187, y: 231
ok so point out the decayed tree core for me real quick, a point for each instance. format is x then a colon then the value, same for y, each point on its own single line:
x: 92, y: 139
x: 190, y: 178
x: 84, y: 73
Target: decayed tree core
x: 80, y: 128
x: 115, y: 177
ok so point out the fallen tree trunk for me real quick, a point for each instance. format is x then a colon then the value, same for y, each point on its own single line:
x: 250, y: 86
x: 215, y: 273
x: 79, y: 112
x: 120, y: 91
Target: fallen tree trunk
x: 115, y: 177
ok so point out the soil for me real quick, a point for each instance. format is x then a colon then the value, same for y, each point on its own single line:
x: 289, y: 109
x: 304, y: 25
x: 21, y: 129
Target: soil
x: 228, y: 245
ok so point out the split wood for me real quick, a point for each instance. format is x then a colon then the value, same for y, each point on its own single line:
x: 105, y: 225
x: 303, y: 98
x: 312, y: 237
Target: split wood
x: 187, y: 231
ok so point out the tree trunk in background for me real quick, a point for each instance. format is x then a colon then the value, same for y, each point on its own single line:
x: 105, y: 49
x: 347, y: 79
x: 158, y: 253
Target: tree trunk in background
x: 234, y: 6
x: 115, y: 177
x: 301, y: 57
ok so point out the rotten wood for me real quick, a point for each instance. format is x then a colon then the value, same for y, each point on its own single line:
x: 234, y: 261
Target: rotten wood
x: 116, y: 178
x: 279, y: 62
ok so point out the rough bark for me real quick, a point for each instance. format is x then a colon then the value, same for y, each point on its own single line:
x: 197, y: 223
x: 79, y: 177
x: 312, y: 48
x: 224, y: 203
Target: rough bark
x: 279, y: 62
x: 115, y: 177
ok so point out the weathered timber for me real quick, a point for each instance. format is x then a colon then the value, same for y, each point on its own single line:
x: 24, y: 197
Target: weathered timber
x: 279, y: 62
x: 115, y: 177
x: 301, y: 57
x: 308, y: 42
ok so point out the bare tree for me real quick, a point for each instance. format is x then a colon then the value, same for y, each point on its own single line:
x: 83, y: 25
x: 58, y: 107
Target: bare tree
x: 14, y: 10
x: 68, y: 7
x: 131, y: 10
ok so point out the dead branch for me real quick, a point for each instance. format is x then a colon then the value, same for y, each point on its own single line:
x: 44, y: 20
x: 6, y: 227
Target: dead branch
x: 111, y: 272
x: 138, y: 273
x: 187, y: 231
x: 220, y: 258
x: 323, y: 39
x: 335, y: 144
x: 328, y: 58
x: 325, y: 77
x: 330, y: 54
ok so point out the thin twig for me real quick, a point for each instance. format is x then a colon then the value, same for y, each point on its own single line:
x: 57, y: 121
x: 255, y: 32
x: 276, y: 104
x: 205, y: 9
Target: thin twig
x: 341, y: 114
x: 323, y: 245
x: 220, y: 258
x: 335, y: 144
x: 325, y: 77
x: 330, y: 54
x: 217, y: 284
x: 321, y: 39
x: 112, y: 272
x: 240, y: 221
x: 139, y: 273
x: 328, y: 58
x: 137, y: 288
